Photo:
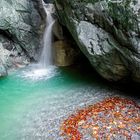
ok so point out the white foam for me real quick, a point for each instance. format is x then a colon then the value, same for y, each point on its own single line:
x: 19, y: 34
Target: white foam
x: 35, y: 73
x: 46, y: 58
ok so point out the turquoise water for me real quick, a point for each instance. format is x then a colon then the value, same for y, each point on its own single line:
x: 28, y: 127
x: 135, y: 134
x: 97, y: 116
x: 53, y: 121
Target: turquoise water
x: 33, y: 103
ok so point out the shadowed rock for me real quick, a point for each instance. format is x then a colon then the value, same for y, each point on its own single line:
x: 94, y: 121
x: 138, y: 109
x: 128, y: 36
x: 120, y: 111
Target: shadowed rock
x: 107, y: 33
x: 64, y: 54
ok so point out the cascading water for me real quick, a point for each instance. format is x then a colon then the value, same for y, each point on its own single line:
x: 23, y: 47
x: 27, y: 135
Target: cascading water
x: 44, y: 69
x: 46, y: 55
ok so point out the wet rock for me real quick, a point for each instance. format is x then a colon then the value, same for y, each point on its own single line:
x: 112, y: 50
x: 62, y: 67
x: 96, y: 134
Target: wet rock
x: 107, y: 33
x: 102, y: 121
x: 57, y: 31
x: 64, y: 54
x: 3, y: 71
x: 21, y: 27
x: 4, y: 54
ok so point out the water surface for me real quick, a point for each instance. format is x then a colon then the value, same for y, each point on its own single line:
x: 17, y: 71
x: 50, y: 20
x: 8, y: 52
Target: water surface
x: 33, y: 103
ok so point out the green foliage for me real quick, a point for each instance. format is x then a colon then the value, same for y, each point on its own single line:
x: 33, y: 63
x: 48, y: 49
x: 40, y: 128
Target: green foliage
x: 123, y: 14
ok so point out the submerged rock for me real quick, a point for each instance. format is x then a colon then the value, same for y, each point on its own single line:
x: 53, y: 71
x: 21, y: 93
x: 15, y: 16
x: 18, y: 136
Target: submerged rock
x: 107, y: 33
x: 113, y: 118
x: 21, y: 26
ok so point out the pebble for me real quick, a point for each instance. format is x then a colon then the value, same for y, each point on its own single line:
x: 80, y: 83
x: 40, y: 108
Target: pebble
x: 111, y: 118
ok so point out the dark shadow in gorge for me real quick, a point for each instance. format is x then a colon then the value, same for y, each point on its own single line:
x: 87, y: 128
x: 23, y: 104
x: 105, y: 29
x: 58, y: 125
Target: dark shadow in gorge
x: 82, y: 70
x: 48, y: 1
x: 131, y: 89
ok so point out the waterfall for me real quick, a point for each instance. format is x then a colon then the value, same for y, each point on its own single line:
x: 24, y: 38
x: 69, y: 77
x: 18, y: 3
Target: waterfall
x: 46, y: 55
x: 44, y: 69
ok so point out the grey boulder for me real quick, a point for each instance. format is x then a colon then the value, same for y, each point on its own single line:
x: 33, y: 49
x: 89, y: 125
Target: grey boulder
x: 107, y: 33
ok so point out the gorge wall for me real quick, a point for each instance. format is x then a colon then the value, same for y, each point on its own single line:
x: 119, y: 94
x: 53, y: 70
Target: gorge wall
x: 107, y: 33
x: 22, y: 23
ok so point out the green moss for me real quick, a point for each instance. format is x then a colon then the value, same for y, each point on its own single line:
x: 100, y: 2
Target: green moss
x: 123, y: 15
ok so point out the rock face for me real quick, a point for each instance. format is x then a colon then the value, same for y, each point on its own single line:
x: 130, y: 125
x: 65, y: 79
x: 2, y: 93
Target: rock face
x: 21, y: 25
x: 3, y: 71
x: 58, y: 31
x: 4, y: 55
x: 108, y: 33
x: 64, y: 54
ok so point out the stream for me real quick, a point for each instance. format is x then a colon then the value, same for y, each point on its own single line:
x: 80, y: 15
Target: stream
x: 34, y: 102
